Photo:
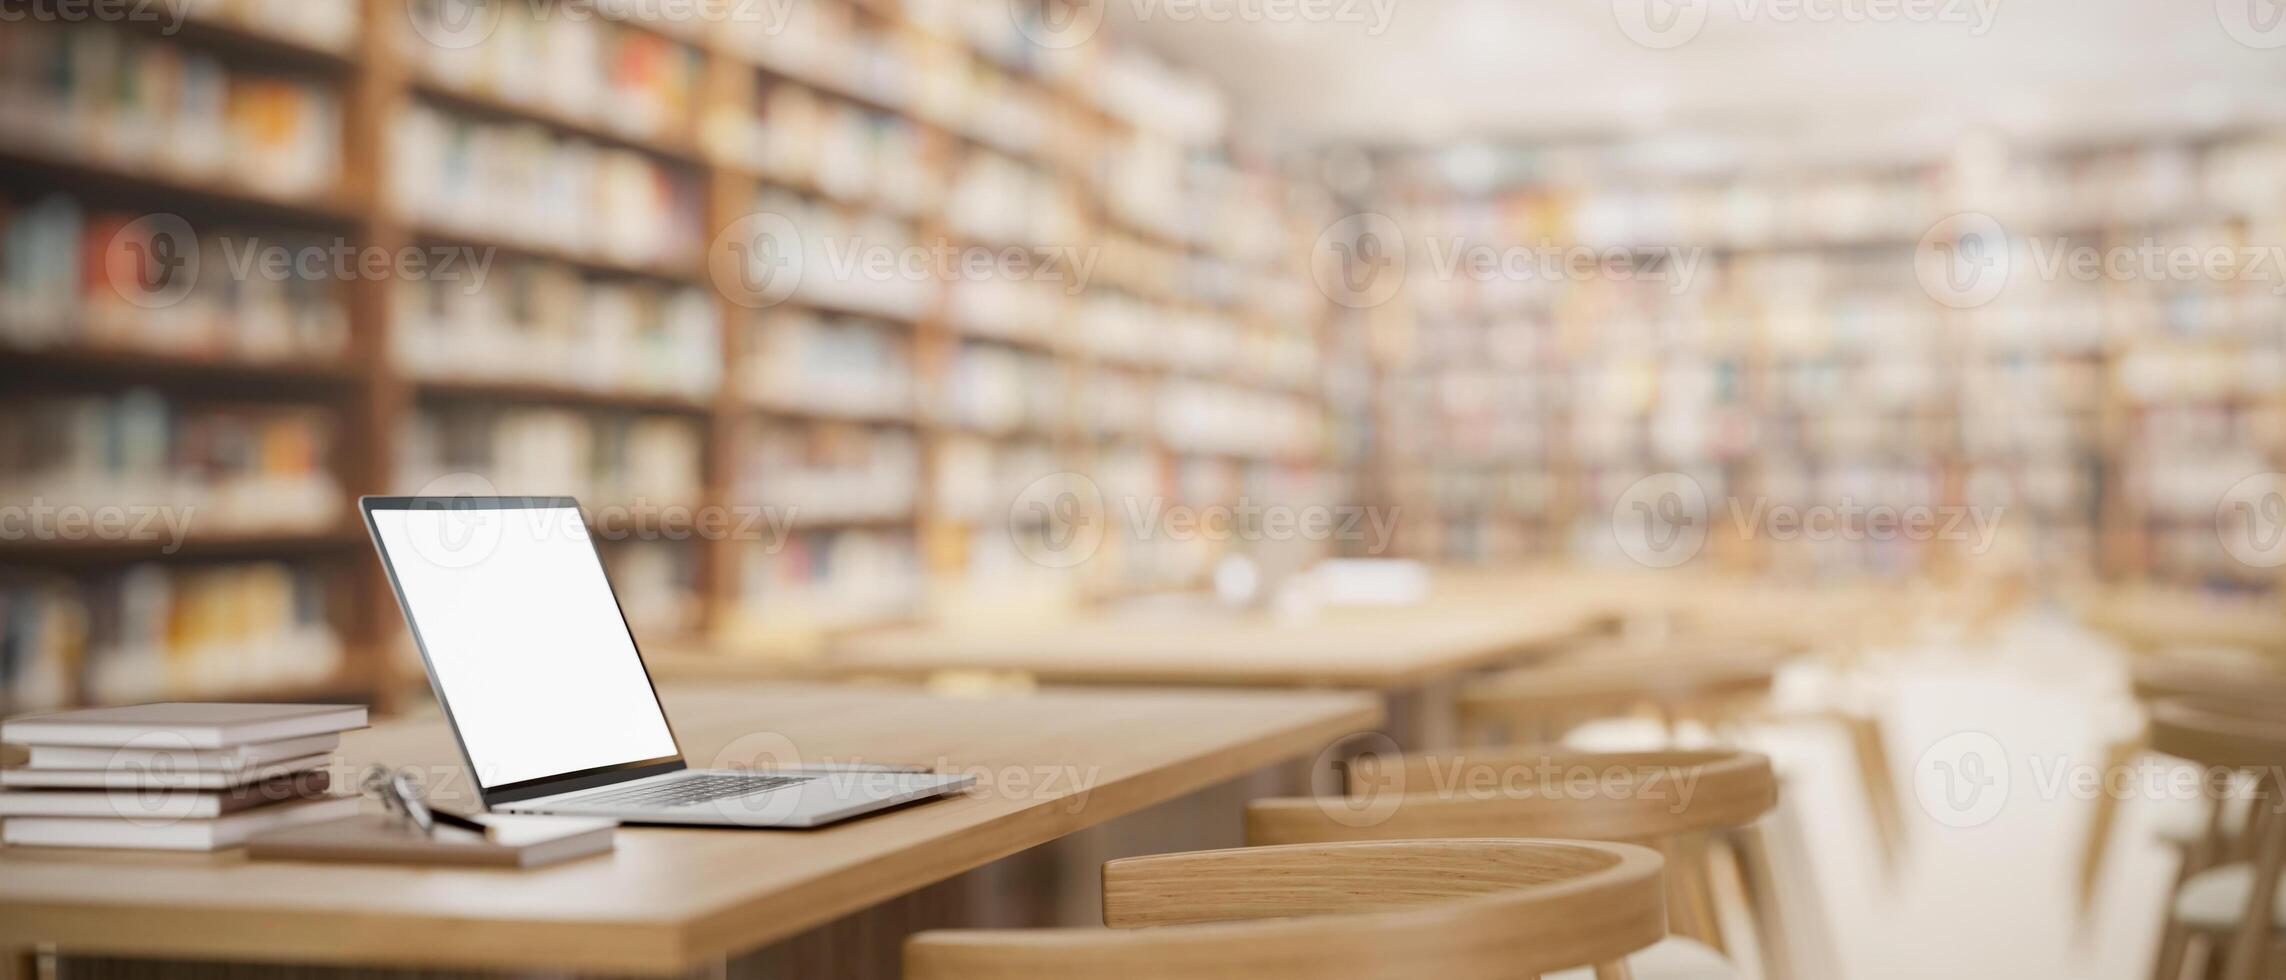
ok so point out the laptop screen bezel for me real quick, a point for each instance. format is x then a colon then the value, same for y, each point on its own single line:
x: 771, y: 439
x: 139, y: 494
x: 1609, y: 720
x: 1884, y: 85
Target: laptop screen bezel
x: 544, y: 785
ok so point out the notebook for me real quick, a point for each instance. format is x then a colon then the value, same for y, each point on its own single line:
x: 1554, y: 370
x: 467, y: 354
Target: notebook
x: 210, y: 834
x: 195, y: 725
x: 152, y: 803
x: 234, y: 757
x: 515, y: 840
x: 159, y: 778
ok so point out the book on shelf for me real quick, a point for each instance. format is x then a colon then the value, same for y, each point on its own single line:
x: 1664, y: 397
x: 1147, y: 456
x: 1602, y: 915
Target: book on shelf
x: 187, y: 834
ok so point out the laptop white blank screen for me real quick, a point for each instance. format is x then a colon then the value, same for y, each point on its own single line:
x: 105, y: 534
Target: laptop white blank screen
x: 525, y: 641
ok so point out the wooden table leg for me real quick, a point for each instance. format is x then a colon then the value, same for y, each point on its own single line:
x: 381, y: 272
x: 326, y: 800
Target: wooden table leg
x: 21, y: 964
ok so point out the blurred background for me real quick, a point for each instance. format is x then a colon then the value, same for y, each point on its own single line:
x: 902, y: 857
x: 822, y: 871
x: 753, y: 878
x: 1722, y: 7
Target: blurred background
x: 849, y: 314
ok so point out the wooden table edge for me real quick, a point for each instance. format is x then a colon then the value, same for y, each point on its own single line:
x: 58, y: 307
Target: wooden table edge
x: 633, y: 948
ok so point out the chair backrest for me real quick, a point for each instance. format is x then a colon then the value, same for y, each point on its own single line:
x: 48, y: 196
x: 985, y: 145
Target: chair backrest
x: 1450, y: 909
x: 1635, y: 797
x: 2222, y: 733
x: 1676, y: 672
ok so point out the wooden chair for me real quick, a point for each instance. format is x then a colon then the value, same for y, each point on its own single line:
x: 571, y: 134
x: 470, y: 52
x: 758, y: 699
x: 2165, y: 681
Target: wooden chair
x: 2226, y: 902
x: 1677, y: 801
x: 1449, y: 909
x: 2157, y: 677
x: 1721, y: 684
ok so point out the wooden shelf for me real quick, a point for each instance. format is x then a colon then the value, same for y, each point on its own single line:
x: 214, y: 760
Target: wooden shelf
x: 105, y: 365
x: 679, y: 150
x: 231, y: 37
x: 195, y: 547
x: 566, y: 396
x: 688, y: 274
x: 157, y: 187
x: 831, y: 416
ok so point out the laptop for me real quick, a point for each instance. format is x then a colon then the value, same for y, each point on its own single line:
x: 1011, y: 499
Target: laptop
x: 539, y: 677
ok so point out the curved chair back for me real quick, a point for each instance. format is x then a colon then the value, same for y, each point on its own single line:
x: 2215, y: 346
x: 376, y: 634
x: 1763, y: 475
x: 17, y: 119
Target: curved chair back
x: 2227, y: 735
x: 1635, y: 797
x: 1398, y: 910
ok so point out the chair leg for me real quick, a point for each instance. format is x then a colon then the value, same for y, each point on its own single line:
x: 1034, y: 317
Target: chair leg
x: 2249, y: 950
x: 2096, y: 850
x: 1880, y: 786
x: 1752, y: 851
x: 1689, y: 913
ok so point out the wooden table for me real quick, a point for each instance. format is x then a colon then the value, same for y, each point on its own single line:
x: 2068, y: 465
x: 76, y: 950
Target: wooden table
x: 1411, y: 656
x: 677, y: 900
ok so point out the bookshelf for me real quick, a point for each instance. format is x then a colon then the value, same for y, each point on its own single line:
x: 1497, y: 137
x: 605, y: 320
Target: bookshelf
x: 2103, y: 418
x: 929, y: 122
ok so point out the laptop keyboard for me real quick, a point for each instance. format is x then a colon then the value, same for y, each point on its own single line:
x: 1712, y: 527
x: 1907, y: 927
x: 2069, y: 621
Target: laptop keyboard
x: 693, y: 789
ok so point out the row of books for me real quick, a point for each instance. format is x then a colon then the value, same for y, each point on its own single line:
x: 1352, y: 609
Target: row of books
x: 809, y: 139
x: 869, y: 262
x: 566, y: 60
x: 155, y: 106
x: 799, y: 360
x: 153, y: 630
x: 172, y: 470
x: 117, y: 280
x: 603, y: 458
x: 827, y: 578
x: 542, y: 322
x: 994, y: 388
x: 826, y: 473
x: 521, y: 184
x: 173, y: 776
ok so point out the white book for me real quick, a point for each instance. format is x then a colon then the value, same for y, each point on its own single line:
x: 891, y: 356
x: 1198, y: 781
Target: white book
x: 157, y: 777
x: 172, y: 835
x: 182, y: 725
x: 232, y: 758
x: 145, y: 804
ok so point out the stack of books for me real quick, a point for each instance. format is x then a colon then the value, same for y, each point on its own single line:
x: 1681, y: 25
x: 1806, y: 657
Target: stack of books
x: 174, y: 776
